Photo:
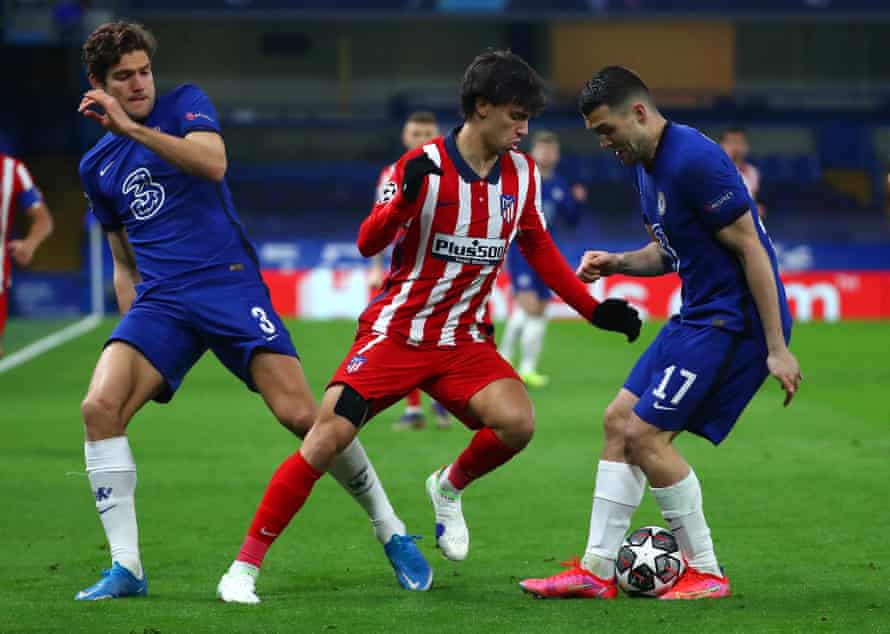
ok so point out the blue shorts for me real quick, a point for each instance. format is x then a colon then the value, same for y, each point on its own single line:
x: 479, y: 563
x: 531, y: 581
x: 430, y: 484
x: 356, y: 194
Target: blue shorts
x: 523, y: 276
x: 228, y: 312
x: 697, y: 379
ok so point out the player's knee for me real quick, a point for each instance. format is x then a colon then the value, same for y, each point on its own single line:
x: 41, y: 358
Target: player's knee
x: 639, y: 442
x: 615, y: 422
x: 297, y: 415
x: 515, y: 428
x: 99, y: 414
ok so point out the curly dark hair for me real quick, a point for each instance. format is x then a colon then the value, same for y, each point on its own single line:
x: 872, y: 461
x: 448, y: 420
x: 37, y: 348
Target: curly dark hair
x: 109, y: 42
x: 501, y: 77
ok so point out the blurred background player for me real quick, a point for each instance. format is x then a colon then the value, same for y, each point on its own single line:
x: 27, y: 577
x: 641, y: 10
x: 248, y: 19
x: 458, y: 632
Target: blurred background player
x: 420, y: 127
x: 17, y: 191
x: 734, y: 142
x: 187, y: 281
x: 451, y: 207
x: 706, y: 363
x: 528, y: 320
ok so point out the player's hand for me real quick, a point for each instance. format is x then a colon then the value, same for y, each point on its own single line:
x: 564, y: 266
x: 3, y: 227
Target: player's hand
x: 785, y: 367
x: 415, y: 171
x: 619, y: 316
x: 596, y: 264
x: 22, y: 252
x: 112, y: 116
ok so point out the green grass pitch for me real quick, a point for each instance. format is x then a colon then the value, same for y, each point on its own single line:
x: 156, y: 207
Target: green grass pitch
x: 797, y: 500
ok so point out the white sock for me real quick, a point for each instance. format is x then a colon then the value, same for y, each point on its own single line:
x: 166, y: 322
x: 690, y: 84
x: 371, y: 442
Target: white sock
x: 512, y: 330
x: 619, y: 491
x: 242, y: 567
x: 355, y: 473
x: 531, y: 342
x: 112, y: 474
x: 681, y: 507
x: 410, y: 410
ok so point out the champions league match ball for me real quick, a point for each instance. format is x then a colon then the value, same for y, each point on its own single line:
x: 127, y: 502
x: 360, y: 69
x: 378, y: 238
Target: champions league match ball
x: 649, y: 562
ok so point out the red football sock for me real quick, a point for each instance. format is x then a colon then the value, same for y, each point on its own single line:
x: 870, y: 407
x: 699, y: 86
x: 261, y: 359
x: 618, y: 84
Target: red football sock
x: 285, y: 495
x: 486, y: 452
x: 413, y: 398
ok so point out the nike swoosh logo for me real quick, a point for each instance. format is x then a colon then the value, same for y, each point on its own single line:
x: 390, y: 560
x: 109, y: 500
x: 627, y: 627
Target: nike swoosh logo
x: 272, y: 338
x: 263, y: 531
x: 662, y: 407
x: 106, y: 509
x: 414, y: 585
x: 106, y: 168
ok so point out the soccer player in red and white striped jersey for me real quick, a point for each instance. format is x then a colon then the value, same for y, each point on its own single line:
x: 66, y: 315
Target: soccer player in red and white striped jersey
x: 17, y: 191
x: 452, y: 207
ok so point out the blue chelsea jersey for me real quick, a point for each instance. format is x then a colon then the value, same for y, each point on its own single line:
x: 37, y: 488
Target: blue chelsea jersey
x: 178, y: 224
x: 690, y: 192
x: 558, y: 203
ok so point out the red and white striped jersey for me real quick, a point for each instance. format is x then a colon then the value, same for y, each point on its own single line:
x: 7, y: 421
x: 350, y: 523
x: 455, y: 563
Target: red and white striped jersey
x: 16, y: 190
x: 451, y: 243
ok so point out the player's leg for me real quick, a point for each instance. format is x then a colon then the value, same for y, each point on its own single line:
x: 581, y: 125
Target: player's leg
x: 412, y: 417
x: 678, y: 492
x: 618, y: 492
x: 373, y: 365
x: 122, y: 382
x: 490, y: 395
x: 288, y: 490
x: 281, y: 381
x: 148, y: 354
x: 704, y: 379
x: 534, y: 303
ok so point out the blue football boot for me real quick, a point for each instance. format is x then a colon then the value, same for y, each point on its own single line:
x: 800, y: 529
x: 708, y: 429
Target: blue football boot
x: 412, y: 570
x: 115, y: 584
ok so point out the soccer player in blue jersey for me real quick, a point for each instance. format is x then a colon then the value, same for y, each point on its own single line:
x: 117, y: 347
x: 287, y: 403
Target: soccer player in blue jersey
x: 706, y: 363
x: 187, y: 280
x: 527, y: 324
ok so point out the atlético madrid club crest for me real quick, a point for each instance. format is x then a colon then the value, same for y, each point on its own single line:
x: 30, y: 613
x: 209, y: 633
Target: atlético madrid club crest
x: 355, y: 363
x: 508, y: 208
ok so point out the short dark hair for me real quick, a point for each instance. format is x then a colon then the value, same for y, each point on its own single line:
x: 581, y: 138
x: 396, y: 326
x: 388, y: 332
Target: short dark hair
x: 421, y: 116
x: 612, y: 86
x: 735, y: 129
x: 110, y: 41
x: 501, y: 77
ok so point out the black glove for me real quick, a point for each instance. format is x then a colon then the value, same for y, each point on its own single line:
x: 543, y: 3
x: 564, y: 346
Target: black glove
x: 415, y: 170
x: 618, y: 315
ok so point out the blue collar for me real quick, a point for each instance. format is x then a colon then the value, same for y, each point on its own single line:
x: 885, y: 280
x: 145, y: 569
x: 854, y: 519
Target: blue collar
x: 466, y: 172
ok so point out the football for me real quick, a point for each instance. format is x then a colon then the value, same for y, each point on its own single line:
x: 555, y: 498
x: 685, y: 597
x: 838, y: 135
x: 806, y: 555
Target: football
x: 649, y: 562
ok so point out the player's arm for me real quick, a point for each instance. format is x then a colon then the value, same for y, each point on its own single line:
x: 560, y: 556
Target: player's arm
x: 199, y: 153
x: 544, y: 257
x: 649, y: 261
x: 22, y: 251
x: 741, y: 238
x: 397, y: 204
x: 126, y: 275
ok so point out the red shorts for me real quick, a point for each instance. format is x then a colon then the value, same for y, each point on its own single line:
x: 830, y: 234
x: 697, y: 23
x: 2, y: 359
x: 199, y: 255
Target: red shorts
x: 384, y: 371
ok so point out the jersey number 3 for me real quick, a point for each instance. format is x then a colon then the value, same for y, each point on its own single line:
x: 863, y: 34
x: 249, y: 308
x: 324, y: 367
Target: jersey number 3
x: 148, y: 196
